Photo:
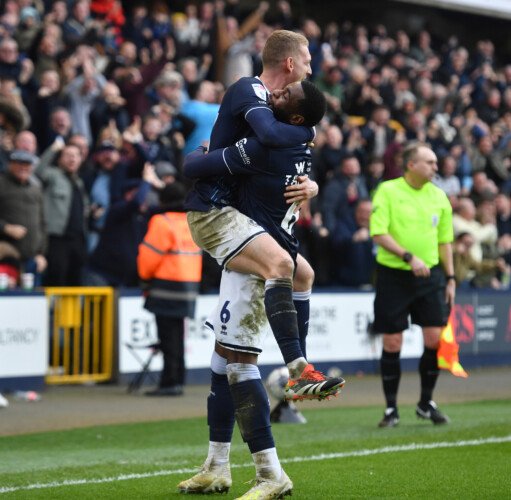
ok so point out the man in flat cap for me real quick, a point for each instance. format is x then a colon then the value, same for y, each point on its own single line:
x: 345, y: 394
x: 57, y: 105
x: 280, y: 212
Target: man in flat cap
x: 21, y: 208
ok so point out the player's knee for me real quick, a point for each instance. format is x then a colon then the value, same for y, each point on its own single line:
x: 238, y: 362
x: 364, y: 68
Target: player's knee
x: 303, y: 281
x: 281, y: 267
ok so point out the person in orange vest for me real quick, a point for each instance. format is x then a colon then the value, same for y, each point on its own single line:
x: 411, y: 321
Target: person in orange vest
x: 170, y: 265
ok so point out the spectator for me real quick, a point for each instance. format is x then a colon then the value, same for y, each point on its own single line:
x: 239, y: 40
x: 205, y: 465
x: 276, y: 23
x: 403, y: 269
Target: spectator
x: 114, y: 260
x: 484, y: 158
x: 136, y: 78
x: 329, y: 156
x: 447, y: 180
x: 202, y: 109
x: 374, y: 174
x: 377, y: 133
x: 464, y: 221
x: 81, y: 94
x: 67, y: 209
x: 342, y: 192
x: 59, y: 126
x: 79, y: 26
x: 471, y: 273
x: 482, y: 188
x: 108, y: 107
x: 45, y: 102
x: 353, y: 248
x: 103, y: 185
x: 329, y: 82
x: 503, y: 219
x: 22, y: 225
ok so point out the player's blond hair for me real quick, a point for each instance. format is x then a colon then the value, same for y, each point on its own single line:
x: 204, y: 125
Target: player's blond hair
x: 280, y: 45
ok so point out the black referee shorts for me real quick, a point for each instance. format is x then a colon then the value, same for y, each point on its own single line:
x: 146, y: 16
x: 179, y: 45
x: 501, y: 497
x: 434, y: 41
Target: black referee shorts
x: 400, y: 294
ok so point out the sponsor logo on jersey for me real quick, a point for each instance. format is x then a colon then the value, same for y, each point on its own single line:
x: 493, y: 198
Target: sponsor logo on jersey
x: 243, y: 153
x: 260, y: 91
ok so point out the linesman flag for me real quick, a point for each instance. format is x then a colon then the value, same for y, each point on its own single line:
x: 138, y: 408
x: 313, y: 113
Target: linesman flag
x: 447, y: 354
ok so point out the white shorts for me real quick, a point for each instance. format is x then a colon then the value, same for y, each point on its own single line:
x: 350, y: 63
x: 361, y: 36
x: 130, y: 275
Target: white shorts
x: 223, y: 233
x: 239, y: 320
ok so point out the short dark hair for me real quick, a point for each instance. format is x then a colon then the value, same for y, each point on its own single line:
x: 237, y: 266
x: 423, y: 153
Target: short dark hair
x: 313, y: 106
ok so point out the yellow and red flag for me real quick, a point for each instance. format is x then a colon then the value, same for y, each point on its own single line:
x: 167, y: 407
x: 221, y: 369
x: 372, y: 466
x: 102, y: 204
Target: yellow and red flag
x: 447, y: 354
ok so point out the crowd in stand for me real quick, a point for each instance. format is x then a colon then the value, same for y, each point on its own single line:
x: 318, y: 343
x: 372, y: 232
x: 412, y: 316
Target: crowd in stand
x: 99, y: 105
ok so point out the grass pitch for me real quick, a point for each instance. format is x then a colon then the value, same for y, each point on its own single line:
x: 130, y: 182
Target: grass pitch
x: 338, y: 454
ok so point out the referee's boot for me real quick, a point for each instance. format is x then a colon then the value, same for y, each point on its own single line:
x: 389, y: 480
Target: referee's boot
x: 390, y: 418
x: 431, y: 412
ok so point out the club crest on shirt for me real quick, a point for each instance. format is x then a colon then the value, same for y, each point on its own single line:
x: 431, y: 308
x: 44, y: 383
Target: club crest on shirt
x: 434, y: 220
x: 259, y: 91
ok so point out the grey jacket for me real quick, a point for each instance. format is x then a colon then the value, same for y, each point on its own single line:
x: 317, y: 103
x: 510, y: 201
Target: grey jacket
x: 58, y: 192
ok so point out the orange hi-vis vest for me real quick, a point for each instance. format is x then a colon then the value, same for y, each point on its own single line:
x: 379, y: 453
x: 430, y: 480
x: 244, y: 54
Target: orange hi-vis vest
x: 171, y: 265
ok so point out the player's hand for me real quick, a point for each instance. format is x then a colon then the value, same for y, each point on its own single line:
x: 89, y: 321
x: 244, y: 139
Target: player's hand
x: 305, y: 189
x: 419, y: 269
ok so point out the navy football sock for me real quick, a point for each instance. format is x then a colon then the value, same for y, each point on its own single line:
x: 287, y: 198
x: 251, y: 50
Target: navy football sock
x: 220, y: 410
x: 281, y: 313
x: 252, y: 410
x: 301, y: 301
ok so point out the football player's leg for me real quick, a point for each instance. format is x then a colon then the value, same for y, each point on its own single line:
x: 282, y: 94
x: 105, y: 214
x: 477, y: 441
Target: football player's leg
x: 215, y: 474
x: 302, y: 288
x: 264, y: 257
x: 252, y: 410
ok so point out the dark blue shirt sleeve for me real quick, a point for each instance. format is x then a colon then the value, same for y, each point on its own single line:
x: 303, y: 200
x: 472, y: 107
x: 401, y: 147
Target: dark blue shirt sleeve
x: 246, y: 157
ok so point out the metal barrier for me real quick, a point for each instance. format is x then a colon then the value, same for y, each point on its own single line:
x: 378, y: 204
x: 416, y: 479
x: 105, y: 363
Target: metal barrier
x: 81, y: 334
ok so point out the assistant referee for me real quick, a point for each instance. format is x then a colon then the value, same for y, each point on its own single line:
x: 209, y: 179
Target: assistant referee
x: 411, y: 223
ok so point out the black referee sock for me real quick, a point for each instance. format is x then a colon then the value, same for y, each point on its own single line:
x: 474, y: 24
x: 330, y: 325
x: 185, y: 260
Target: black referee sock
x: 428, y: 370
x: 390, y: 366
x: 281, y: 313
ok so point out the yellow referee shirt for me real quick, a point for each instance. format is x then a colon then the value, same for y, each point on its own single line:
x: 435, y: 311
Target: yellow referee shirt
x: 418, y: 219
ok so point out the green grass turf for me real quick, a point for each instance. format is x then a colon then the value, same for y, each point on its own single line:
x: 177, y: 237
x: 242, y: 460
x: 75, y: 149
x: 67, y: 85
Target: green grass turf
x: 464, y: 472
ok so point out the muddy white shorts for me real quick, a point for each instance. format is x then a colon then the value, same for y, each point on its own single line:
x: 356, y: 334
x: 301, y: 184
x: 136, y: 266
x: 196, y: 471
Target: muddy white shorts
x: 223, y: 233
x: 239, y: 320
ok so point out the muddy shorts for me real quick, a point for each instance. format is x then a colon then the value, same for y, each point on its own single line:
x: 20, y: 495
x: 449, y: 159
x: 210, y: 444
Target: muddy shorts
x: 239, y: 320
x: 223, y: 233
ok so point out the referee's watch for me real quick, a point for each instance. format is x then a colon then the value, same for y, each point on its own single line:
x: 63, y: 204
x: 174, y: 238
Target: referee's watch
x: 407, y: 257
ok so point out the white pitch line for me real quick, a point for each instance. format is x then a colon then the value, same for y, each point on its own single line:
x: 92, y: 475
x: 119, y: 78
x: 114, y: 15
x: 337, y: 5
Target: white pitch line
x: 323, y: 456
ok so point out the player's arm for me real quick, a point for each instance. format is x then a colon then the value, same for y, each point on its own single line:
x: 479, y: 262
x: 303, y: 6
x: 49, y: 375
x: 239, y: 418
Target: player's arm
x: 446, y: 259
x: 273, y: 133
x: 240, y: 159
x: 249, y: 101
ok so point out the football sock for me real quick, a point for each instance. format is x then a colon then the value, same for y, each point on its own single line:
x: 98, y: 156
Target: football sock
x: 218, y: 453
x: 220, y: 405
x: 267, y: 464
x: 281, y: 313
x: 252, y: 408
x: 428, y: 370
x: 301, y: 301
x: 390, y: 366
x: 296, y: 367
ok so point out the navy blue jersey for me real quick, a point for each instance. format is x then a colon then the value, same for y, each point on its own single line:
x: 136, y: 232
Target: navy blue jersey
x: 244, y: 112
x: 263, y: 174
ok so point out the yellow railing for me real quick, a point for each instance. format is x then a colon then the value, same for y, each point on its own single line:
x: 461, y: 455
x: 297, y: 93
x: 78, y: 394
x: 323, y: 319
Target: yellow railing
x: 81, y: 334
